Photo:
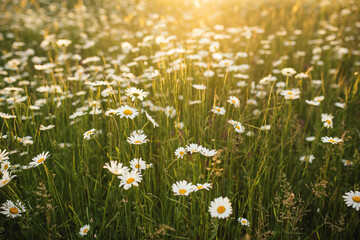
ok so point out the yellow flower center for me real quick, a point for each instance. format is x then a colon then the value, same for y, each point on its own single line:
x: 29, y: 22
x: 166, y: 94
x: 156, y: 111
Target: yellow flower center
x: 328, y: 121
x: 182, y: 191
x: 356, y: 199
x: 237, y: 127
x: 233, y: 101
x: 347, y: 162
x: 130, y: 180
x: 289, y: 93
x: 89, y: 132
x: 14, y: 210
x: 200, y: 187
x: 40, y: 160
x: 137, y: 142
x: 6, y: 166
x: 136, y: 94
x: 331, y: 140
x: 4, y: 182
x: 243, y: 221
x: 181, y: 152
x: 220, y: 209
x: 127, y: 112
x: 85, y: 230
x: 218, y: 109
x: 137, y: 166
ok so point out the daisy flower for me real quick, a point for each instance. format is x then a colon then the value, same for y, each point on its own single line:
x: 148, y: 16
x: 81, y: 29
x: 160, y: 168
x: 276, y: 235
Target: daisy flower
x: 170, y: 111
x: 180, y: 152
x: 44, y: 128
x: 331, y: 140
x: 135, y: 93
x: 239, y: 127
x: 307, y: 158
x: 218, y: 110
x: 129, y: 179
x: 116, y: 168
x: 291, y: 94
x: 11, y: 209
x: 244, y: 222
x: 154, y: 123
x: 183, y: 188
x: 288, y: 72
x: 352, y: 199
x: 88, y: 134
x: 4, y: 155
x: 137, y: 164
x: 205, y: 186
x: 340, y: 105
x: 6, y: 178
x: 84, y: 230
x: 234, y: 101
x: 127, y: 112
x: 137, y: 137
x: 207, y: 152
x: 39, y: 159
x: 327, y: 119
x: 220, y: 207
x: 6, y: 116
x: 199, y: 86
x: 310, y: 138
x: 193, y: 148
x: 5, y: 165
x: 179, y: 125
x: 346, y: 162
x: 311, y: 102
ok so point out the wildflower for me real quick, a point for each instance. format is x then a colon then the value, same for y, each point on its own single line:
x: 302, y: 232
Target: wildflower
x: 6, y: 116
x: 180, y: 152
x: 310, y: 138
x: 193, y: 148
x: 340, y: 105
x: 265, y: 127
x: 207, y: 152
x: 208, y: 73
x: 327, y: 119
x: 352, y: 199
x: 199, y: 86
x: 239, y: 127
x: 137, y: 137
x: 116, y: 168
x: 205, y: 186
x: 135, y: 93
x: 170, y: 111
x: 84, y: 230
x: 346, y: 162
x: 244, y: 222
x: 288, y: 72
x: 179, y: 125
x: 126, y: 111
x: 311, y: 102
x: 291, y: 94
x: 129, y: 179
x: 39, y: 159
x: 88, y: 134
x: 11, y: 209
x: 44, y: 128
x: 137, y: 164
x: 6, y: 178
x: 5, y: 165
x: 331, y: 140
x: 220, y: 208
x: 183, y: 188
x: 3, y: 155
x: 308, y: 158
x: 154, y: 123
x: 218, y: 110
x: 234, y: 101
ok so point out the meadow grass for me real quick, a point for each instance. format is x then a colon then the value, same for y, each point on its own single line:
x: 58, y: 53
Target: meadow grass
x: 164, y: 48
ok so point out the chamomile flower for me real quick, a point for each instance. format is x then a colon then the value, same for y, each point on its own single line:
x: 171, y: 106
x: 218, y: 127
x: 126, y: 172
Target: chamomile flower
x: 311, y: 102
x: 39, y: 159
x: 220, y: 207
x: 179, y: 125
x: 154, y: 123
x: 6, y: 178
x: 204, y: 186
x: 5, y: 165
x: 288, y: 72
x: 116, y: 168
x: 331, y: 140
x: 127, y: 112
x: 244, y: 222
x: 239, y: 127
x: 352, y: 199
x: 129, y: 179
x: 180, y: 152
x: 11, y: 209
x: 291, y: 94
x: 137, y: 137
x: 88, y: 134
x: 346, y: 162
x: 234, y: 101
x: 307, y: 158
x: 135, y: 93
x: 327, y: 119
x: 183, y: 188
x: 218, y: 110
x: 84, y: 230
x: 137, y: 164
x: 207, y: 152
x: 4, y: 155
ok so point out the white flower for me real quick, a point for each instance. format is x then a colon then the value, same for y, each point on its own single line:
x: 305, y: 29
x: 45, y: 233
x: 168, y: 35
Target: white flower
x: 193, y: 148
x: 11, y: 209
x: 137, y: 137
x: 288, y: 72
x: 307, y: 158
x: 129, y: 179
x: 218, y: 110
x: 127, y: 112
x: 352, y: 199
x: 135, y: 93
x: 6, y: 178
x: 340, y: 105
x: 180, y: 152
x: 183, y: 188
x: 44, y: 128
x: 4, y: 155
x: 310, y: 138
x: 199, y: 86
x: 116, y: 168
x: 154, y: 123
x: 84, y: 230
x: 234, y: 101
x: 137, y: 164
x: 39, y: 159
x: 244, y: 222
x: 220, y: 208
x: 331, y: 140
x: 205, y: 186
x: 207, y: 152
x: 88, y: 134
x: 291, y: 94
x: 327, y: 119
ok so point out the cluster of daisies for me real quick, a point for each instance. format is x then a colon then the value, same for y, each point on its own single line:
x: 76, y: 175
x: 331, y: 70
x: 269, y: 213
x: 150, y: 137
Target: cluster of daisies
x: 194, y: 148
